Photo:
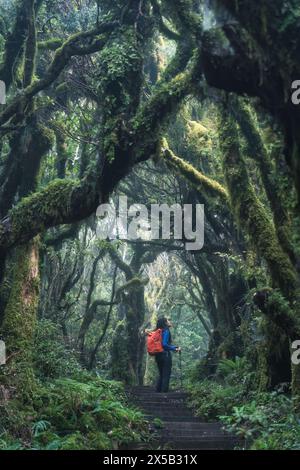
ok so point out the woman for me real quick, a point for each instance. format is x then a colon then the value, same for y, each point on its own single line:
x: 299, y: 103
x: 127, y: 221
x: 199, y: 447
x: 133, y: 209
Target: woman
x: 164, y: 359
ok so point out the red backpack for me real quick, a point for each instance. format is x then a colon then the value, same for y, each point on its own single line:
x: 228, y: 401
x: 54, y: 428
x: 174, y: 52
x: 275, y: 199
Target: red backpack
x: 154, y: 342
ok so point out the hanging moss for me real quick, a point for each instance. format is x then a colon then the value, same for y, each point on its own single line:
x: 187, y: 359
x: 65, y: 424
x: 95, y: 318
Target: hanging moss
x: 198, y: 136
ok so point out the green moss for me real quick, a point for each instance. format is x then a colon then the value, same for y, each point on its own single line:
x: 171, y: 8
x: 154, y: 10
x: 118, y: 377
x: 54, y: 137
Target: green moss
x: 198, y: 137
x: 133, y: 284
x: 257, y: 150
x: 51, y: 44
x: 153, y: 116
x: 281, y: 309
x: 19, y: 323
x: 51, y: 202
x: 252, y: 217
x: 121, y: 64
x: 30, y: 46
x: 121, y: 366
x: 184, y: 17
x: 194, y: 176
x: 15, y: 42
x: 250, y: 212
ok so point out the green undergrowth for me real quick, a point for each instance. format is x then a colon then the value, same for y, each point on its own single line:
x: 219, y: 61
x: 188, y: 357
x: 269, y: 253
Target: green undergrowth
x: 82, y: 413
x: 71, y: 408
x: 266, y: 422
x: 262, y: 420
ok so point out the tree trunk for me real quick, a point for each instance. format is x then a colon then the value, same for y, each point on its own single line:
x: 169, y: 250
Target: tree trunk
x: 283, y: 305
x: 19, y: 323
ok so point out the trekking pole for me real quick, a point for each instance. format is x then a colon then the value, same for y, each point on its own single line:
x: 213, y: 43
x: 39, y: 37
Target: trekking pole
x: 180, y: 367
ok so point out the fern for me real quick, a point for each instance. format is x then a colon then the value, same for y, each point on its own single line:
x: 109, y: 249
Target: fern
x: 39, y: 427
x: 227, y: 367
x: 54, y: 445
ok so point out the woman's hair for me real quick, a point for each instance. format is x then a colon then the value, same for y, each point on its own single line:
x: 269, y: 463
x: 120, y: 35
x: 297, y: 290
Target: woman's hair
x: 162, y: 323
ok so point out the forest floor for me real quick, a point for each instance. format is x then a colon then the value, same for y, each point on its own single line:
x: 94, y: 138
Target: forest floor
x: 175, y: 424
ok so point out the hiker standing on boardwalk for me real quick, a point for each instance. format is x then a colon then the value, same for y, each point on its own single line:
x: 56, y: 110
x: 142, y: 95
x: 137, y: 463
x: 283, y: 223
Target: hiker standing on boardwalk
x: 163, y: 353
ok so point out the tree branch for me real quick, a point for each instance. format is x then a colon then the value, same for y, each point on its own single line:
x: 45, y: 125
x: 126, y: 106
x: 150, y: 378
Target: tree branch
x: 61, y: 202
x: 194, y: 176
x: 166, y: 98
x: 120, y: 263
x: 15, y: 42
x: 95, y: 350
x: 83, y: 43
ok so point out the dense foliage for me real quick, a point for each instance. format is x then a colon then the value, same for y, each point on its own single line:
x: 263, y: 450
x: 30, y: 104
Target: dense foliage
x: 262, y: 420
x: 72, y: 408
x: 161, y: 102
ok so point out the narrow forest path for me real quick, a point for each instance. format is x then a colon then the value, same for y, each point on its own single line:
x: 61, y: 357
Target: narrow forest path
x: 180, y: 428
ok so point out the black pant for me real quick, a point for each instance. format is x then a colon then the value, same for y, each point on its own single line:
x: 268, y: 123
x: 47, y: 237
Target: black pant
x: 164, y: 364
